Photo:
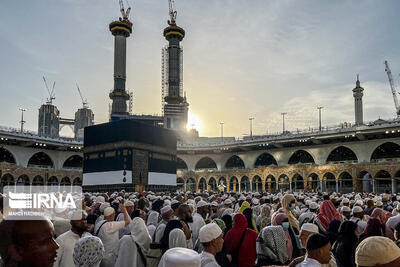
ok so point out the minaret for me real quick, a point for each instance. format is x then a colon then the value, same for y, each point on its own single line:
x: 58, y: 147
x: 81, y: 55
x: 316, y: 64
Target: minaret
x: 121, y: 29
x: 175, y: 106
x: 358, y: 106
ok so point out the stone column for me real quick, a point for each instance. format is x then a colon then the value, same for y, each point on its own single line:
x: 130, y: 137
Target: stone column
x: 321, y: 186
x: 269, y: 187
x: 290, y: 186
x: 373, y: 185
x: 394, y: 185
x: 337, y: 185
x: 234, y: 186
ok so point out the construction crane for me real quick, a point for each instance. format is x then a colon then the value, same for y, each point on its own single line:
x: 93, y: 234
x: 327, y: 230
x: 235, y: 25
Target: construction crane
x: 85, y: 103
x: 52, y: 96
x: 125, y: 14
x: 172, y: 13
x: 393, y: 88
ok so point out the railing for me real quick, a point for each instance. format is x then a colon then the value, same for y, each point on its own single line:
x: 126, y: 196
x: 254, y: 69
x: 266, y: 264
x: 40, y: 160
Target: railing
x: 40, y: 166
x: 307, y: 134
x: 28, y: 133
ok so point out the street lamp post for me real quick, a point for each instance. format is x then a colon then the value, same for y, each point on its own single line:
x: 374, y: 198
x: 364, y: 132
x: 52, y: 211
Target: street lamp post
x: 283, y: 122
x: 22, y: 119
x: 222, y: 131
x: 319, y: 114
x: 251, y: 127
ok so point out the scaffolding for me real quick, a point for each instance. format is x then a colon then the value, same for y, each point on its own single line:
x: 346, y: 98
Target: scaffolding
x: 165, y: 74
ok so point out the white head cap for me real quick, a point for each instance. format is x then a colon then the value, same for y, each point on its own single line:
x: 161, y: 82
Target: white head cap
x: 103, y: 206
x: 309, y: 227
x: 376, y: 250
x: 182, y: 257
x: 228, y: 201
x: 201, y: 203
x: 359, y: 202
x: 209, y: 232
x: 346, y: 209
x: 313, y: 206
x: 214, y: 204
x: 100, y: 199
x: 108, y: 211
x: 128, y: 204
x: 357, y: 209
x: 165, y: 209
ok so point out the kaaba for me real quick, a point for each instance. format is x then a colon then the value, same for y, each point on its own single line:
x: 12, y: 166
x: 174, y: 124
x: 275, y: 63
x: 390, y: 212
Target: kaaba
x: 129, y: 155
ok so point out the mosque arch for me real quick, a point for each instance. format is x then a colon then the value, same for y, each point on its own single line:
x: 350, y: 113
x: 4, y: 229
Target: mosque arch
x: 212, y: 184
x: 52, y: 181
x: 38, y: 180
x: 180, y: 184
x: 23, y: 180
x: 301, y: 157
x: 73, y: 162
x: 77, y: 181
x: 284, y: 183
x: 388, y: 150
x: 297, y: 182
x: 191, y: 184
x: 206, y: 163
x: 181, y: 164
x: 202, y: 184
x: 233, y: 184
x: 270, y: 184
x: 41, y: 160
x: 341, y: 153
x: 265, y: 159
x: 383, y: 181
x: 65, y: 181
x: 234, y: 162
x: 312, y: 182
x: 222, y: 182
x: 6, y: 156
x: 345, y: 182
x: 7, y: 179
x: 245, y: 184
x: 256, y: 184
x: 367, y: 181
x: 330, y: 182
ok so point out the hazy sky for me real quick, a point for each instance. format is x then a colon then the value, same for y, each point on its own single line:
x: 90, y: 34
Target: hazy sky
x: 242, y: 58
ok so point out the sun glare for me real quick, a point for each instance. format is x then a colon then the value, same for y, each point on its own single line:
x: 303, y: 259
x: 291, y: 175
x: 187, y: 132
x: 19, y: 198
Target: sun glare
x: 193, y: 122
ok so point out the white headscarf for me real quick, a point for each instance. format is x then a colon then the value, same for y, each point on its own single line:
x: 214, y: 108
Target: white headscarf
x: 129, y: 245
x: 88, y: 251
x: 152, y: 222
x: 152, y: 219
x: 140, y: 233
x: 177, y: 239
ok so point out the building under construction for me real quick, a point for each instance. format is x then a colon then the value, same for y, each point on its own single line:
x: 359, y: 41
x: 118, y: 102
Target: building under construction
x: 50, y: 122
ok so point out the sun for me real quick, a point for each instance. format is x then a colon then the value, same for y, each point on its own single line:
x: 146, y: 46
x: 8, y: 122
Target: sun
x: 193, y: 122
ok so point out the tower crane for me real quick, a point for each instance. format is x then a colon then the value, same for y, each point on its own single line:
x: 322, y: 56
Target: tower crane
x: 172, y: 13
x: 52, y: 96
x: 85, y: 103
x: 393, y: 88
x: 125, y: 14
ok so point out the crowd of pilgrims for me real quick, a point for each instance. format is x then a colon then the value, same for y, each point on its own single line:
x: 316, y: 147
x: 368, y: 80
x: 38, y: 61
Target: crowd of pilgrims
x: 212, y: 229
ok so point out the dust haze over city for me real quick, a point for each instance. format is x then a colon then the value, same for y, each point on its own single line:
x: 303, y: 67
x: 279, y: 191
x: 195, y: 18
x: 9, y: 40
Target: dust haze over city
x: 241, y: 60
